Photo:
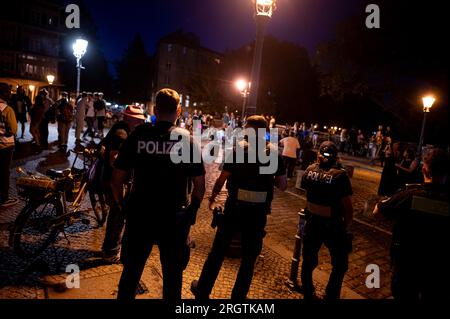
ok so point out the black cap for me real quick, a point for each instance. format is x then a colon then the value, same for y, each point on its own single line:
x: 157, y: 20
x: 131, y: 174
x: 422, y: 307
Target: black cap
x: 328, y: 150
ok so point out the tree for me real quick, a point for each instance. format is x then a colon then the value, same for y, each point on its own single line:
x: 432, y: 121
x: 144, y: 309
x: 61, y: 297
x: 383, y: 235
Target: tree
x: 385, y: 71
x: 288, y: 83
x: 135, y: 73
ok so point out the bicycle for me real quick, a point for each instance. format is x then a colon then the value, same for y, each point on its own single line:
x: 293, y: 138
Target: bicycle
x: 53, y: 203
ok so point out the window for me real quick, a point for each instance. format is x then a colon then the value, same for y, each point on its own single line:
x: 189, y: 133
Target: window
x: 169, y: 47
x: 168, y: 66
x: 217, y: 60
x: 184, y: 50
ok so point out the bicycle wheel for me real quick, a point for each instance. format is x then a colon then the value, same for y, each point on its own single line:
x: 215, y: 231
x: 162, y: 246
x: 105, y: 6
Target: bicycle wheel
x: 36, y: 228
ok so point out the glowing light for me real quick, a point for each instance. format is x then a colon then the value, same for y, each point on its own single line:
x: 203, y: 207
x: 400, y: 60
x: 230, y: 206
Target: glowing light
x: 241, y: 85
x: 80, y: 48
x: 428, y: 102
x: 31, y: 87
x: 50, y: 79
x: 265, y: 7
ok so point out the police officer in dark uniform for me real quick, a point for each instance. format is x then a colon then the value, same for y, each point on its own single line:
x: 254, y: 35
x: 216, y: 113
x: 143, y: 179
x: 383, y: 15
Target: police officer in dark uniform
x: 328, y: 214
x: 420, y: 243
x: 250, y: 193
x: 158, y: 210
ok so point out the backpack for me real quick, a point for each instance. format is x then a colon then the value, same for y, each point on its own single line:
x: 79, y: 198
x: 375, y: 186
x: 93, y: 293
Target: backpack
x: 65, y: 111
x: 50, y: 115
x: 99, y: 105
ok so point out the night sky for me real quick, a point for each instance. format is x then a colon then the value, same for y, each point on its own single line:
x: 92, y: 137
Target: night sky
x: 220, y: 24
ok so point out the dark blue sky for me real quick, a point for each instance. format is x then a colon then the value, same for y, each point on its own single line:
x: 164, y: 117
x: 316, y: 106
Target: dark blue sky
x: 220, y: 24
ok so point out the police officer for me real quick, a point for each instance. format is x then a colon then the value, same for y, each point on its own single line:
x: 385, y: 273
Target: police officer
x: 158, y: 210
x: 328, y: 214
x: 420, y: 233
x: 250, y: 193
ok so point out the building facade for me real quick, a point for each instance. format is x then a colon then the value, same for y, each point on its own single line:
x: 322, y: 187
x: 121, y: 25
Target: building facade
x: 185, y: 66
x: 31, y: 33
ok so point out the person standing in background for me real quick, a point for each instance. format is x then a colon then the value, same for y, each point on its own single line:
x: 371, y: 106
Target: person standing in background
x: 291, y: 147
x: 8, y: 130
x: 90, y: 120
x: 65, y: 119
x: 36, y: 115
x: 100, y: 112
x: 80, y: 115
x: 21, y: 105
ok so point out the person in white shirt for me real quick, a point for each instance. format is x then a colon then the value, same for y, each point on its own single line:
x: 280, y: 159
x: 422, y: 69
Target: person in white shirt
x: 291, y: 146
x: 90, y: 120
x: 80, y: 115
x: 100, y: 113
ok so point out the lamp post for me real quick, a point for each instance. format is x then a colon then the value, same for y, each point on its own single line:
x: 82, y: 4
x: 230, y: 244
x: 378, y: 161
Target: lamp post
x: 79, y: 50
x: 243, y: 87
x: 263, y: 13
x: 428, y: 102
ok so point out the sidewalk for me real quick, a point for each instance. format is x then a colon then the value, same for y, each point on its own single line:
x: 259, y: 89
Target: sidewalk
x: 360, y: 162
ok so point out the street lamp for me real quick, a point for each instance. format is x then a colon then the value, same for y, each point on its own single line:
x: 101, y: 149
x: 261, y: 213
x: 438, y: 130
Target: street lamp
x: 263, y: 13
x: 428, y: 102
x: 243, y: 87
x: 79, y: 50
x: 50, y: 79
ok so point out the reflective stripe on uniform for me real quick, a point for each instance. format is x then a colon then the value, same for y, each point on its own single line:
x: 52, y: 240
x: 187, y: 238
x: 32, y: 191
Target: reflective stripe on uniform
x: 430, y: 206
x: 251, y: 196
x: 320, y: 210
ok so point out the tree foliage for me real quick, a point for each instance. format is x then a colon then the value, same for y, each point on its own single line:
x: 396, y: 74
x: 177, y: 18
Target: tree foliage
x: 135, y: 73
x: 388, y: 69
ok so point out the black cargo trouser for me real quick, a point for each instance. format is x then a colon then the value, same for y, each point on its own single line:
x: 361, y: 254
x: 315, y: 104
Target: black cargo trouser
x: 114, y: 226
x: 237, y: 219
x: 137, y: 245
x: 318, y: 231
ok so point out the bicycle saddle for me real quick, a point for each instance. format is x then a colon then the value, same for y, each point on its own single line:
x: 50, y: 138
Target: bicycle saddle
x: 53, y: 173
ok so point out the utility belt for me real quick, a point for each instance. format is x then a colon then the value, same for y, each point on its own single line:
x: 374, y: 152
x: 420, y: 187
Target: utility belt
x: 251, y: 197
x: 318, y: 210
x: 250, y: 202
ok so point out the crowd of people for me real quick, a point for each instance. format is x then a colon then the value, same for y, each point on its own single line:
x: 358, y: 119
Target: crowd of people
x: 150, y: 207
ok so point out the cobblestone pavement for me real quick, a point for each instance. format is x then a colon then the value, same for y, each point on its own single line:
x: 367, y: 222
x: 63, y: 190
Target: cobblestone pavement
x: 20, y: 281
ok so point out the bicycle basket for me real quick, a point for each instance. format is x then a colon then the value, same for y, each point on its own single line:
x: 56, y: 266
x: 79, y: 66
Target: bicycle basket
x: 34, y: 187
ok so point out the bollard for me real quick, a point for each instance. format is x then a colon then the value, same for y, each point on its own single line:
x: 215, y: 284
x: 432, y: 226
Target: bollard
x: 292, y: 282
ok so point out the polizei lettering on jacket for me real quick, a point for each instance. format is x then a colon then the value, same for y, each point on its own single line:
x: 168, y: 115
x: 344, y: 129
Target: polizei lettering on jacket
x: 155, y: 147
x: 320, y: 177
